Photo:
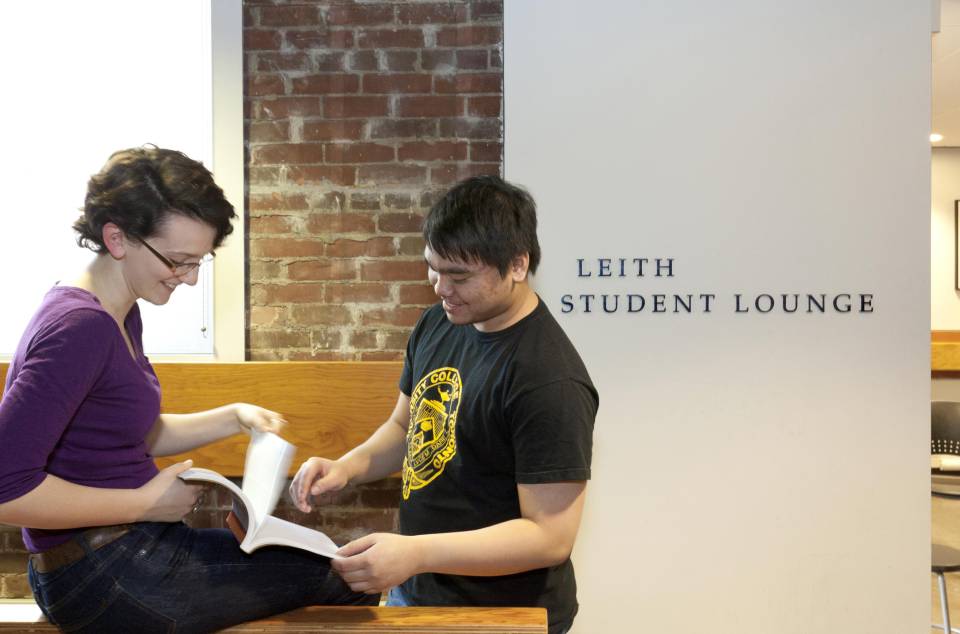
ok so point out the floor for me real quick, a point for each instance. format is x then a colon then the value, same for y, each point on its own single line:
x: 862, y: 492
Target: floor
x: 945, y: 518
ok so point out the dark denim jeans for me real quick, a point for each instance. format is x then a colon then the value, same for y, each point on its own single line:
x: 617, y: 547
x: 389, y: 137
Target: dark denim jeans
x: 164, y: 577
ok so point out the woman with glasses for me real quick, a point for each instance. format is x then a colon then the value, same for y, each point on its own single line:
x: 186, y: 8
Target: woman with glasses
x: 80, y: 423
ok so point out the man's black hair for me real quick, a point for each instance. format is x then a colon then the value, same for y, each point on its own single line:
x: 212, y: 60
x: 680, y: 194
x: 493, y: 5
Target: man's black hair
x: 484, y: 219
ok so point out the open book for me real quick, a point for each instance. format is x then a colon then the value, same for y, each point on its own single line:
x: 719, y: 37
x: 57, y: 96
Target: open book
x: 264, y: 475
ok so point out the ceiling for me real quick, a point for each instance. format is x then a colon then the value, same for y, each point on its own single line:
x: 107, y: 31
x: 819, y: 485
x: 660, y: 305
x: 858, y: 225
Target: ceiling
x: 946, y: 75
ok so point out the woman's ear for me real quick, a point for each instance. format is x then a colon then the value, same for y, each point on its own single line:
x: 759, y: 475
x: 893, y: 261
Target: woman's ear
x: 115, y: 240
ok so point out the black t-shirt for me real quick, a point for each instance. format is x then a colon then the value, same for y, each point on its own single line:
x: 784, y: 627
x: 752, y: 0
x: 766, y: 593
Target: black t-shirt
x: 489, y: 411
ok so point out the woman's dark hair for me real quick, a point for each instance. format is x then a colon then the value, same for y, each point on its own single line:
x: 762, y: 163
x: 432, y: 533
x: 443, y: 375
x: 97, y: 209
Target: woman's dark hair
x: 484, y: 219
x: 137, y: 190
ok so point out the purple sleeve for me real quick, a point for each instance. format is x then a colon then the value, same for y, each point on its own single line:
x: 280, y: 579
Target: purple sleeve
x: 60, y: 366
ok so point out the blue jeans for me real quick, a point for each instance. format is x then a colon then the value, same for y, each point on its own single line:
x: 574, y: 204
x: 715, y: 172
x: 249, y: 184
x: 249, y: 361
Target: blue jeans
x: 397, y: 599
x: 163, y: 577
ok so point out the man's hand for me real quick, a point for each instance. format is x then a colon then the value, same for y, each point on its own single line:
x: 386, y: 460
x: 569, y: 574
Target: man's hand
x: 315, y: 477
x: 379, y: 561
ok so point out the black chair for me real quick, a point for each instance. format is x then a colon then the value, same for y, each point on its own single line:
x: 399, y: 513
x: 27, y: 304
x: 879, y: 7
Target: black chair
x: 944, y: 439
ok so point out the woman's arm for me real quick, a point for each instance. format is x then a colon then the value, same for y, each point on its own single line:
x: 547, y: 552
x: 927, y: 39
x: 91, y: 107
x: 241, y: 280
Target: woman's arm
x: 175, y: 433
x: 57, y: 503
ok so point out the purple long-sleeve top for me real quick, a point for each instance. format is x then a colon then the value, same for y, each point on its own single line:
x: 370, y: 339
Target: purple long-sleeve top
x: 77, y: 404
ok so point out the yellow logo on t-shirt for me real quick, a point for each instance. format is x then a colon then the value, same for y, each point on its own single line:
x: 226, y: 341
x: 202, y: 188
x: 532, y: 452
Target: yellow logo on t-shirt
x: 431, y: 437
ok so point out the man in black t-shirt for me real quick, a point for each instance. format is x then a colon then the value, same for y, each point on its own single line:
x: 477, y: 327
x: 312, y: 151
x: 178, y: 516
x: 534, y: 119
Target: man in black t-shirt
x: 492, y: 432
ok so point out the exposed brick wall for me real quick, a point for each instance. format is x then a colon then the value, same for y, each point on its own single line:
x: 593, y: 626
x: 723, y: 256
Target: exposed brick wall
x: 358, y: 114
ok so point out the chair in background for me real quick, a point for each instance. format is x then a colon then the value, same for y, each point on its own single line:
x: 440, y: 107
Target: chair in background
x: 944, y: 439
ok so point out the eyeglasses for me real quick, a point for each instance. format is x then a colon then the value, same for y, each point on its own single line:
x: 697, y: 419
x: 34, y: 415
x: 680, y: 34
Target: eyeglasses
x: 180, y: 269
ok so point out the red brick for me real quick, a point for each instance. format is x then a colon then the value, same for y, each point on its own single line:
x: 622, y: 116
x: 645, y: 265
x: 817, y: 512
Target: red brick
x: 403, y: 128
x: 434, y: 13
x: 405, y: 83
x: 353, y: 107
x: 267, y: 315
x: 363, y: 60
x: 469, y: 36
x: 324, y: 269
x: 395, y: 316
x: 484, y: 106
x: 364, y: 339
x: 366, y: 201
x: 364, y: 293
x: 411, y: 245
x: 489, y: 10
x: 392, y: 174
x: 284, y: 107
x: 270, y: 224
x: 337, y: 174
x: 312, y: 355
x: 330, y: 200
x: 328, y: 61
x: 449, y: 174
x: 397, y: 201
x: 359, y: 14
x: 285, y: 248
x: 359, y: 153
x: 471, y: 128
x: 299, y: 15
x: 320, y: 314
x: 437, y: 59
x: 390, y: 38
x: 268, y: 131
x: 261, y: 270
x: 418, y: 294
x: 249, y: 17
x: 384, y: 355
x: 285, y: 293
x: 273, y: 62
x: 340, y: 223
x: 326, y: 84
x: 400, y: 223
x: 330, y: 130
x: 287, y: 153
x: 263, y: 175
x: 471, y: 83
x: 486, y: 152
x: 259, y: 85
x: 393, y: 340
x: 441, y: 151
x: 257, y: 40
x: 374, y: 247
x: 278, y: 339
x: 496, y: 58
x: 402, y: 60
x: 320, y: 39
x: 474, y: 59
x: 393, y: 271
x: 277, y: 201
x: 432, y: 106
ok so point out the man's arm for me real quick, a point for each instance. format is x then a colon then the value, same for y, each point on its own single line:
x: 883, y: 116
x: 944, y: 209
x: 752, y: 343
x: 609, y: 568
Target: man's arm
x: 378, y: 456
x: 543, y: 536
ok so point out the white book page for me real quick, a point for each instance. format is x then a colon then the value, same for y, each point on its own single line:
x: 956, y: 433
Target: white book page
x: 241, y: 502
x: 275, y: 531
x: 265, y: 472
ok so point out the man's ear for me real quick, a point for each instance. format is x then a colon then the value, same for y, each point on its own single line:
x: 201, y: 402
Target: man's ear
x: 115, y: 240
x: 519, y: 267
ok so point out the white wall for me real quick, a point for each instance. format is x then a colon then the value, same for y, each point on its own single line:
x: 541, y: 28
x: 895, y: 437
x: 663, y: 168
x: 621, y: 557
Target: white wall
x: 752, y: 472
x: 945, y: 181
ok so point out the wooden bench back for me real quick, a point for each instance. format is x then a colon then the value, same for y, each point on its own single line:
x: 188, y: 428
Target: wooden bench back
x: 331, y: 406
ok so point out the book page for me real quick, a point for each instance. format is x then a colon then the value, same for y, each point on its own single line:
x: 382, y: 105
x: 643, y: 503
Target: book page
x: 265, y: 472
x: 945, y: 462
x: 277, y: 532
x: 240, y: 502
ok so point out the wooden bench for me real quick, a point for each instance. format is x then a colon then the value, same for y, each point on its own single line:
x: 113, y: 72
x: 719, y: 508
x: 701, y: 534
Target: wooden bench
x: 331, y: 407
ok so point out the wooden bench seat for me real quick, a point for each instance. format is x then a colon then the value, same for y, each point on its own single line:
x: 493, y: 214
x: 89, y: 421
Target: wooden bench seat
x: 14, y: 618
